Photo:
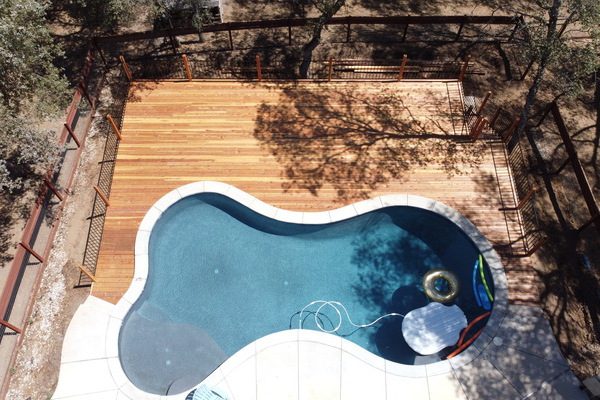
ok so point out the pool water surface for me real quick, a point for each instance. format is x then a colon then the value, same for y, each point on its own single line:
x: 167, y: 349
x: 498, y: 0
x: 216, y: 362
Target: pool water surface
x: 221, y: 276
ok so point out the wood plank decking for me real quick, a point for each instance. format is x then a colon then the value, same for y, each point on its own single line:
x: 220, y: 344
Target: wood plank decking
x: 303, y: 146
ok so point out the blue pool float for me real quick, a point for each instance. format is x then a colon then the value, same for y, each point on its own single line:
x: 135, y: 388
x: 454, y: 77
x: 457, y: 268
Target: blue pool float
x: 485, y: 301
x: 475, y: 292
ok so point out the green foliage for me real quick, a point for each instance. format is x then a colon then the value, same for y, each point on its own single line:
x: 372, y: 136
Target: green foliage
x: 31, y: 88
x: 551, y: 47
x: 27, y: 53
x: 183, y: 13
x: 25, y: 151
x: 106, y: 14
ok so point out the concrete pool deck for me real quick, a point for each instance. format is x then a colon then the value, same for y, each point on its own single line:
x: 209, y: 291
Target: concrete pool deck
x: 516, y: 355
x: 523, y: 361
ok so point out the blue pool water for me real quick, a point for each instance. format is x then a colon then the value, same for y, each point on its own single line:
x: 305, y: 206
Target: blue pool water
x: 222, y: 276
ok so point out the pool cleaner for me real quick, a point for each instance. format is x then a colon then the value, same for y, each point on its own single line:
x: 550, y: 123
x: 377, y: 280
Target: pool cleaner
x: 336, y: 306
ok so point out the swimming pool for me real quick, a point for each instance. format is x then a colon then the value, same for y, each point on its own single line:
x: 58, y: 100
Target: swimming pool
x: 222, y: 275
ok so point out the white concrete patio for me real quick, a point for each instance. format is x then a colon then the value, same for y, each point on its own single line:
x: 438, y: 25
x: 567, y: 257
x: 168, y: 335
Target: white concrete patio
x: 523, y: 361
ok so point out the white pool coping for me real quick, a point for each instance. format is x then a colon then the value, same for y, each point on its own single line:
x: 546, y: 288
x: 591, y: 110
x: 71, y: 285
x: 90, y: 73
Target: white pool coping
x: 392, y: 370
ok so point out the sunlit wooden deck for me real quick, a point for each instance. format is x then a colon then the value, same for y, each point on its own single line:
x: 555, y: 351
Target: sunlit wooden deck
x: 301, y: 147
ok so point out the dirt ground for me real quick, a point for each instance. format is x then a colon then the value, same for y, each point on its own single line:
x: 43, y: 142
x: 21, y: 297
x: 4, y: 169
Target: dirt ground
x: 570, y: 290
x: 57, y: 300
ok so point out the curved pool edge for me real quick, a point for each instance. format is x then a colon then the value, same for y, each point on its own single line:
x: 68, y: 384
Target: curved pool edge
x: 323, y: 217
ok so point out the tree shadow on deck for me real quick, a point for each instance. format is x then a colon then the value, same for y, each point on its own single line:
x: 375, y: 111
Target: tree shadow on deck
x: 357, y: 141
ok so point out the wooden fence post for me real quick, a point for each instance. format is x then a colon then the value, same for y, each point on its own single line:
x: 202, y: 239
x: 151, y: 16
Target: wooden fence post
x: 186, y: 66
x: 463, y: 69
x: 258, y: 68
x: 484, y: 102
x: 114, y: 126
x: 10, y: 326
x: 31, y: 251
x: 126, y: 68
x: 330, y: 69
x: 72, y: 134
x: 102, y: 196
x: 402, y: 67
x: 53, y: 189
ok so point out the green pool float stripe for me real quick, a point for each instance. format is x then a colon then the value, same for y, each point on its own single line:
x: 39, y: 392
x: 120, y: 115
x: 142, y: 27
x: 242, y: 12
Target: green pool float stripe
x: 487, y: 288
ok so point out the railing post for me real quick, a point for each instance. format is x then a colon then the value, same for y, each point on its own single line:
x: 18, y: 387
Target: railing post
x: 10, y: 326
x: 102, y: 196
x: 524, y: 74
x: 348, y: 32
x: 478, y: 127
x: 591, y: 221
x: 289, y: 35
x: 114, y: 126
x: 514, y: 30
x: 186, y: 66
x: 258, y: 68
x: 87, y: 273
x: 402, y: 67
x: 32, y: 252
x: 53, y: 189
x: 546, y: 112
x: 230, y: 40
x: 462, y: 24
x: 484, y: 102
x: 330, y: 69
x: 495, y: 118
x: 126, y: 68
x: 405, y: 31
x: 84, y: 91
x: 463, y: 69
x: 99, y: 50
x: 72, y: 134
x: 509, y: 132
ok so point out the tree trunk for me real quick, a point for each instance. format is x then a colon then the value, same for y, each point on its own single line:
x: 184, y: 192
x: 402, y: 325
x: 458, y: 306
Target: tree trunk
x: 551, y: 36
x: 594, y: 159
x: 308, y: 49
x: 327, y: 12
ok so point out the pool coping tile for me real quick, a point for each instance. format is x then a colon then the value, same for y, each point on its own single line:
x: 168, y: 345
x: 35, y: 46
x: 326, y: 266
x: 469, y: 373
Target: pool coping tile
x: 315, y: 218
x: 342, y: 213
x: 151, y: 217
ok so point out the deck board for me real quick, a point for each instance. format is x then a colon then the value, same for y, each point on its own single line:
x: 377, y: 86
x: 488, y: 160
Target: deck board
x: 305, y: 147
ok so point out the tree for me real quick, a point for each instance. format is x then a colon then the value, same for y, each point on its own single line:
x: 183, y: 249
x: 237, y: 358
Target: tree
x: 171, y: 14
x: 27, y: 53
x: 106, y: 14
x: 31, y: 88
x: 327, y: 9
x: 549, y: 47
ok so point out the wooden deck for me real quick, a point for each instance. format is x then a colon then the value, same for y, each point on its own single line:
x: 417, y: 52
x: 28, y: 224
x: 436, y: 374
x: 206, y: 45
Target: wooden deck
x: 302, y: 146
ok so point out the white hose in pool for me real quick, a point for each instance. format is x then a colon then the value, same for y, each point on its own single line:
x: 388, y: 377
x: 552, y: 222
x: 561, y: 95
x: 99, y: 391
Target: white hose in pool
x: 335, y: 305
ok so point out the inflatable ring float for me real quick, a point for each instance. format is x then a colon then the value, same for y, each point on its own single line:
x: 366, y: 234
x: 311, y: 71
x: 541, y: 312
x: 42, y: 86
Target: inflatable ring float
x: 440, y: 277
